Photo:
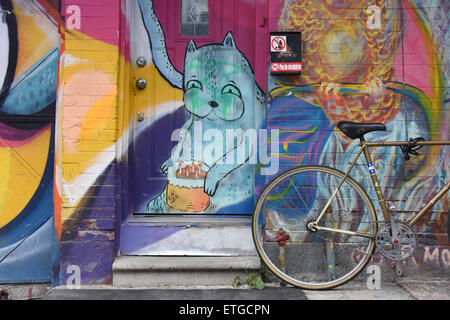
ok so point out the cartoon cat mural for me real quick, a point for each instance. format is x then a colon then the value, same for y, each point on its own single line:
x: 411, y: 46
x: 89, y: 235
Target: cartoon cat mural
x: 223, y: 104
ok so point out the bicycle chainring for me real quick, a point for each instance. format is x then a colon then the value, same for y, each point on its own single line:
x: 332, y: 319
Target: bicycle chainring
x: 398, y: 244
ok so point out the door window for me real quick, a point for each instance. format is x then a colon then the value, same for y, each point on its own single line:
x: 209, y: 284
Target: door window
x: 194, y: 18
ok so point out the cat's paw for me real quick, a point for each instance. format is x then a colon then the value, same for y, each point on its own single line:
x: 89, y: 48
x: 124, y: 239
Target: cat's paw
x: 211, y: 184
x: 166, y: 165
x: 157, y: 205
x: 374, y: 87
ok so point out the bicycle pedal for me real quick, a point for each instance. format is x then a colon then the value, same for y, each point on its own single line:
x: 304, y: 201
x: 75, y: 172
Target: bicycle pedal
x: 397, y: 267
x: 390, y: 205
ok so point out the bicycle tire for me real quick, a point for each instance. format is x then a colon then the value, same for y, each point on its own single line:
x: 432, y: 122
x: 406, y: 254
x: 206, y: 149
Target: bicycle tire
x: 275, y: 217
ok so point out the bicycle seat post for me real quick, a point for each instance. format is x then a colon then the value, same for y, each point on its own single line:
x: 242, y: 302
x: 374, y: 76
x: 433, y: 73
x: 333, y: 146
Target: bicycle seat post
x: 362, y: 140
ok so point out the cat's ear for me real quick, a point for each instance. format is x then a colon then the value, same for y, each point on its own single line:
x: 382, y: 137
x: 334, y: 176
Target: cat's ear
x: 191, y: 47
x: 229, y: 40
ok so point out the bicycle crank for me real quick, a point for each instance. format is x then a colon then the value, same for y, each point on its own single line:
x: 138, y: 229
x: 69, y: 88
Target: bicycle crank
x: 397, y: 242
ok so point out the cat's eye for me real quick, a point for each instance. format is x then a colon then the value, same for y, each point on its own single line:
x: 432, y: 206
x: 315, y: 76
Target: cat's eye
x: 194, y: 84
x: 231, y: 89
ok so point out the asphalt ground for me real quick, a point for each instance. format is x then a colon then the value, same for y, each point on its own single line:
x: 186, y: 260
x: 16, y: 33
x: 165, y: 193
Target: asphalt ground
x: 422, y: 288
x: 403, y: 296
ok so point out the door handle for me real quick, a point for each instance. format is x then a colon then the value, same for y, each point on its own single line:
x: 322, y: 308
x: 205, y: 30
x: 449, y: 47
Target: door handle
x: 141, y: 84
x: 140, y: 116
x: 141, y: 62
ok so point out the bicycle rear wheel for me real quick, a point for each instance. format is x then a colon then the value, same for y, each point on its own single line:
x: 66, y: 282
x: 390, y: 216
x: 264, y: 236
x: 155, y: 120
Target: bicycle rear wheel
x: 314, y: 259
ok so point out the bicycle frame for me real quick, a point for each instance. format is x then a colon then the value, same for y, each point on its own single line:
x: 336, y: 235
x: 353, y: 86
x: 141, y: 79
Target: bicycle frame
x: 365, y: 146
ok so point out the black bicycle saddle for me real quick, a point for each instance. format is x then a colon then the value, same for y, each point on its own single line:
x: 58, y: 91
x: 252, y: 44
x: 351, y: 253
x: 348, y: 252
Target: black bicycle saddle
x: 355, y: 130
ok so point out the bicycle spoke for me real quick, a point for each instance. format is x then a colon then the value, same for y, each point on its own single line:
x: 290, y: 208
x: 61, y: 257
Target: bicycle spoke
x: 329, y: 248
x: 321, y: 256
x: 301, y: 197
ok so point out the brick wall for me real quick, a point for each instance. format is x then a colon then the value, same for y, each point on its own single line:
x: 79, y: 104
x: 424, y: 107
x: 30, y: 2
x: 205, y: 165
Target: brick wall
x: 87, y: 116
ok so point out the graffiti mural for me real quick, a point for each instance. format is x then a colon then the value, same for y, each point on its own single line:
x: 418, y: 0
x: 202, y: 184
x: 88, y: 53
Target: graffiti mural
x: 82, y: 149
x: 86, y: 175
x: 29, y: 55
x: 222, y: 102
x: 362, y: 68
x: 191, y: 153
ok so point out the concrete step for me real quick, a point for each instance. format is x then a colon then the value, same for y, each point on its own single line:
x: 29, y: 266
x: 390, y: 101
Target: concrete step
x: 158, y: 271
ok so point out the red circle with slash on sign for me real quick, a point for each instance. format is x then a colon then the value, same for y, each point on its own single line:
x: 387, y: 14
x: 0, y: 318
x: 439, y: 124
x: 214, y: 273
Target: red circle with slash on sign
x: 278, y: 44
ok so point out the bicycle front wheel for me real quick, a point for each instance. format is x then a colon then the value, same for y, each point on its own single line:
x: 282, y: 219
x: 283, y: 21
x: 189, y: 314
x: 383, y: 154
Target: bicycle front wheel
x: 300, y: 255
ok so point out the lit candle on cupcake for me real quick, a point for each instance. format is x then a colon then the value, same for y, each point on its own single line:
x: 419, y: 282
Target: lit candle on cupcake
x: 185, y: 186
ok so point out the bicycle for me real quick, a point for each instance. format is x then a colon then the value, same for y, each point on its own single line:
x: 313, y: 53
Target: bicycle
x: 329, y: 215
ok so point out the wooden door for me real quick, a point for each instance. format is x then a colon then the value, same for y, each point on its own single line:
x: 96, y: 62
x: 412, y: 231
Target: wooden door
x: 199, y: 70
